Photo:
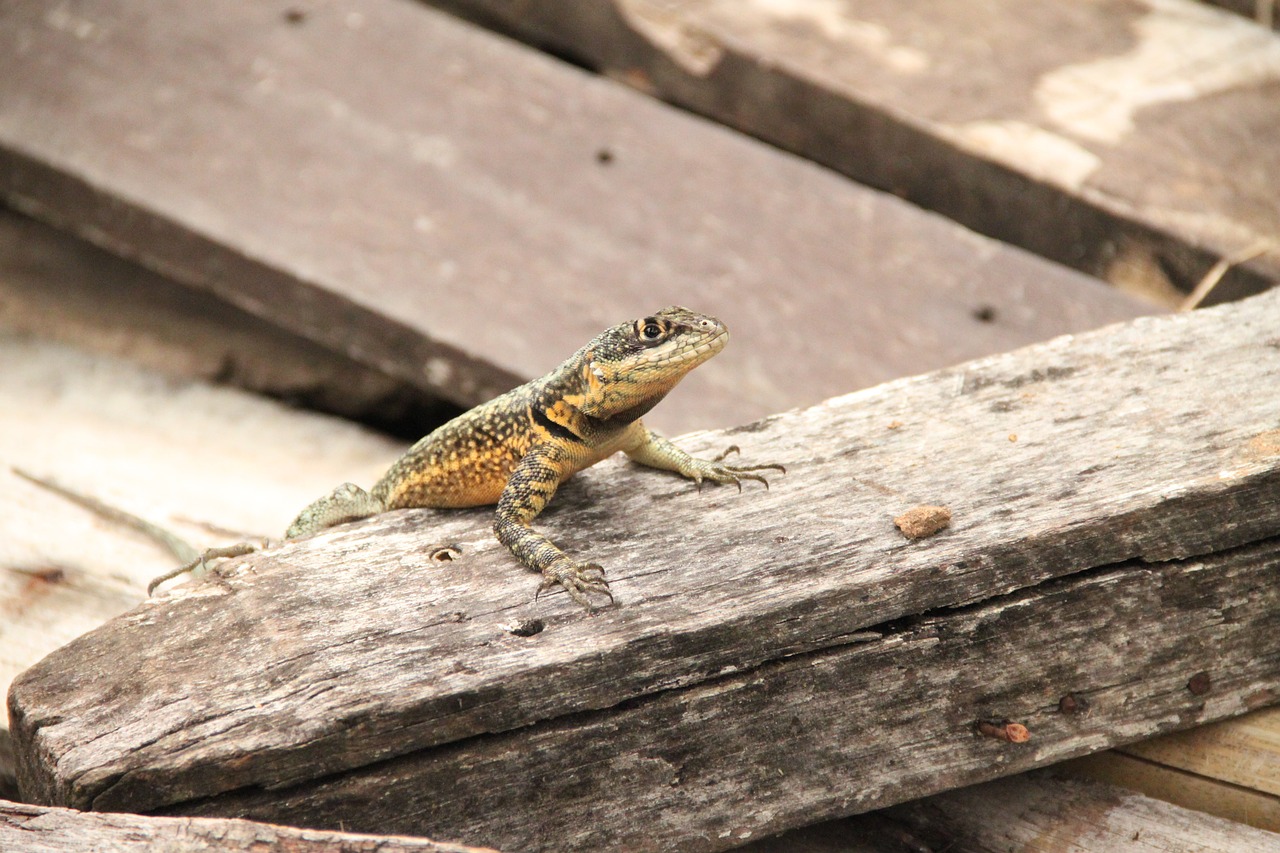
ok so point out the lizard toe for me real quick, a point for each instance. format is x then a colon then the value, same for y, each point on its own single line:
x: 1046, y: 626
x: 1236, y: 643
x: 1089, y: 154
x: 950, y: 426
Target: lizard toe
x: 579, y: 581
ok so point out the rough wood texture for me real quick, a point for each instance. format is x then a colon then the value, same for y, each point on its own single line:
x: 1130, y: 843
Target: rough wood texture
x: 1231, y: 768
x: 827, y: 733
x: 1127, y: 144
x: 1037, y: 812
x: 37, y: 829
x: 462, y: 212
x: 1244, y: 752
x: 1146, y: 442
x: 182, y: 454
x: 1034, y: 811
x: 59, y: 288
x: 1187, y: 789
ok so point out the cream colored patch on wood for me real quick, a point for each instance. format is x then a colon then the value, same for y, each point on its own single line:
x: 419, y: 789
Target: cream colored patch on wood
x: 1047, y: 156
x: 666, y: 26
x: 1184, y: 51
x: 832, y: 19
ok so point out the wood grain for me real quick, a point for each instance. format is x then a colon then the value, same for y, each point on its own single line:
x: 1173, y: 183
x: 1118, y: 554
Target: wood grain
x: 1038, y: 812
x: 59, y: 288
x: 356, y: 651
x: 463, y: 213
x: 1033, y: 811
x: 1126, y: 144
x: 39, y: 829
x: 1243, y: 752
x: 842, y: 730
x: 1190, y: 790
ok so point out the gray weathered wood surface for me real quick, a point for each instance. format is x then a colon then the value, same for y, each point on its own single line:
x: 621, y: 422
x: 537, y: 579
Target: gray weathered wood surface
x: 60, y: 288
x: 1132, y: 142
x: 840, y: 730
x: 210, y: 463
x: 1039, y: 812
x: 342, y: 659
x: 1034, y: 811
x: 462, y: 212
x: 39, y: 829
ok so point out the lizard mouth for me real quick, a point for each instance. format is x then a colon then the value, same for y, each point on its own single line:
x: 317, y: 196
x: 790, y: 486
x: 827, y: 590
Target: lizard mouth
x: 694, y: 352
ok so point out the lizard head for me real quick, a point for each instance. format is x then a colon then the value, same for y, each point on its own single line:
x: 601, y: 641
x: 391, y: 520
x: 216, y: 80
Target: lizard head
x: 628, y: 369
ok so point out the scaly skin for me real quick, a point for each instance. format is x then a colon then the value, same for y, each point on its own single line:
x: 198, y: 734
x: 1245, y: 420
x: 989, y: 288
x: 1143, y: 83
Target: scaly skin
x: 516, y: 449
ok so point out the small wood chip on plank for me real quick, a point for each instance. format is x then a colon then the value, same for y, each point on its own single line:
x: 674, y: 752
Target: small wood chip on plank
x: 1141, y: 447
x: 921, y: 521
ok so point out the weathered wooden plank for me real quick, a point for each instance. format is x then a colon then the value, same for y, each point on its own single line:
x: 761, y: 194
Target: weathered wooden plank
x: 59, y: 288
x: 1147, y: 441
x: 1031, y: 811
x: 1187, y: 789
x: 39, y: 829
x: 838, y: 731
x: 1039, y: 812
x: 462, y: 213
x: 1243, y: 752
x: 1126, y: 144
x: 183, y: 454
x: 1230, y: 769
x: 1261, y: 12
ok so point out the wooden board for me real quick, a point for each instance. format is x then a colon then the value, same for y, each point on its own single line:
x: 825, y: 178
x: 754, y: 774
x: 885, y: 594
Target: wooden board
x: 1039, y: 812
x: 1261, y: 12
x: 1243, y: 752
x: 461, y: 212
x: 1189, y: 790
x: 1070, y: 459
x: 205, y: 461
x: 817, y: 735
x: 59, y: 288
x: 1035, y: 811
x: 1126, y: 144
x: 36, y: 829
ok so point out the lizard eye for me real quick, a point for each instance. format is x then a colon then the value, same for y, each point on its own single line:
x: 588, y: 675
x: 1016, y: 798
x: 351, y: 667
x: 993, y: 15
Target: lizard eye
x: 650, y: 331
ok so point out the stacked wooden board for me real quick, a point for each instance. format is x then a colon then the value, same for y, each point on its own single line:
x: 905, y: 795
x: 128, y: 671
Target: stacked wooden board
x: 1130, y: 142
x: 293, y: 196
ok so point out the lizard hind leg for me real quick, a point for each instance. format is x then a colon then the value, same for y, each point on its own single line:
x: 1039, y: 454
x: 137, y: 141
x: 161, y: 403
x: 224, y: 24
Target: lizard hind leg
x: 199, y: 564
x: 348, y: 502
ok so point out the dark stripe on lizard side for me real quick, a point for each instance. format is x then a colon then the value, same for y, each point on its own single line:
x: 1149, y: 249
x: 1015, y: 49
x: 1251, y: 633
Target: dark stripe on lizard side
x: 558, y: 430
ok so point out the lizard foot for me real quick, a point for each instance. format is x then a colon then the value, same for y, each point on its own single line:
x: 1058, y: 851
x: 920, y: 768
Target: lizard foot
x: 717, y: 472
x: 202, y: 562
x: 580, y: 581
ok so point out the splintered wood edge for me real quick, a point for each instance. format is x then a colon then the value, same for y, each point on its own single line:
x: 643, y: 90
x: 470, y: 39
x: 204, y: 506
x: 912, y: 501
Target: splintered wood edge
x: 28, y: 827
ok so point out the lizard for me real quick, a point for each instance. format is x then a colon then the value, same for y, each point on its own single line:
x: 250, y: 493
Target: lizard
x: 518, y: 448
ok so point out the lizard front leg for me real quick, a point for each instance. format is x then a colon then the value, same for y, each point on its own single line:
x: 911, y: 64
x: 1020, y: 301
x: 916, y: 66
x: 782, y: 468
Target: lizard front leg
x: 657, y: 452
x: 530, y: 486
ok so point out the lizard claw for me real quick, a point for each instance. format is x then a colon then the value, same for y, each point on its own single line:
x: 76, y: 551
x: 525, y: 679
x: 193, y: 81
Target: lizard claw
x: 580, y: 581
x: 716, y: 471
